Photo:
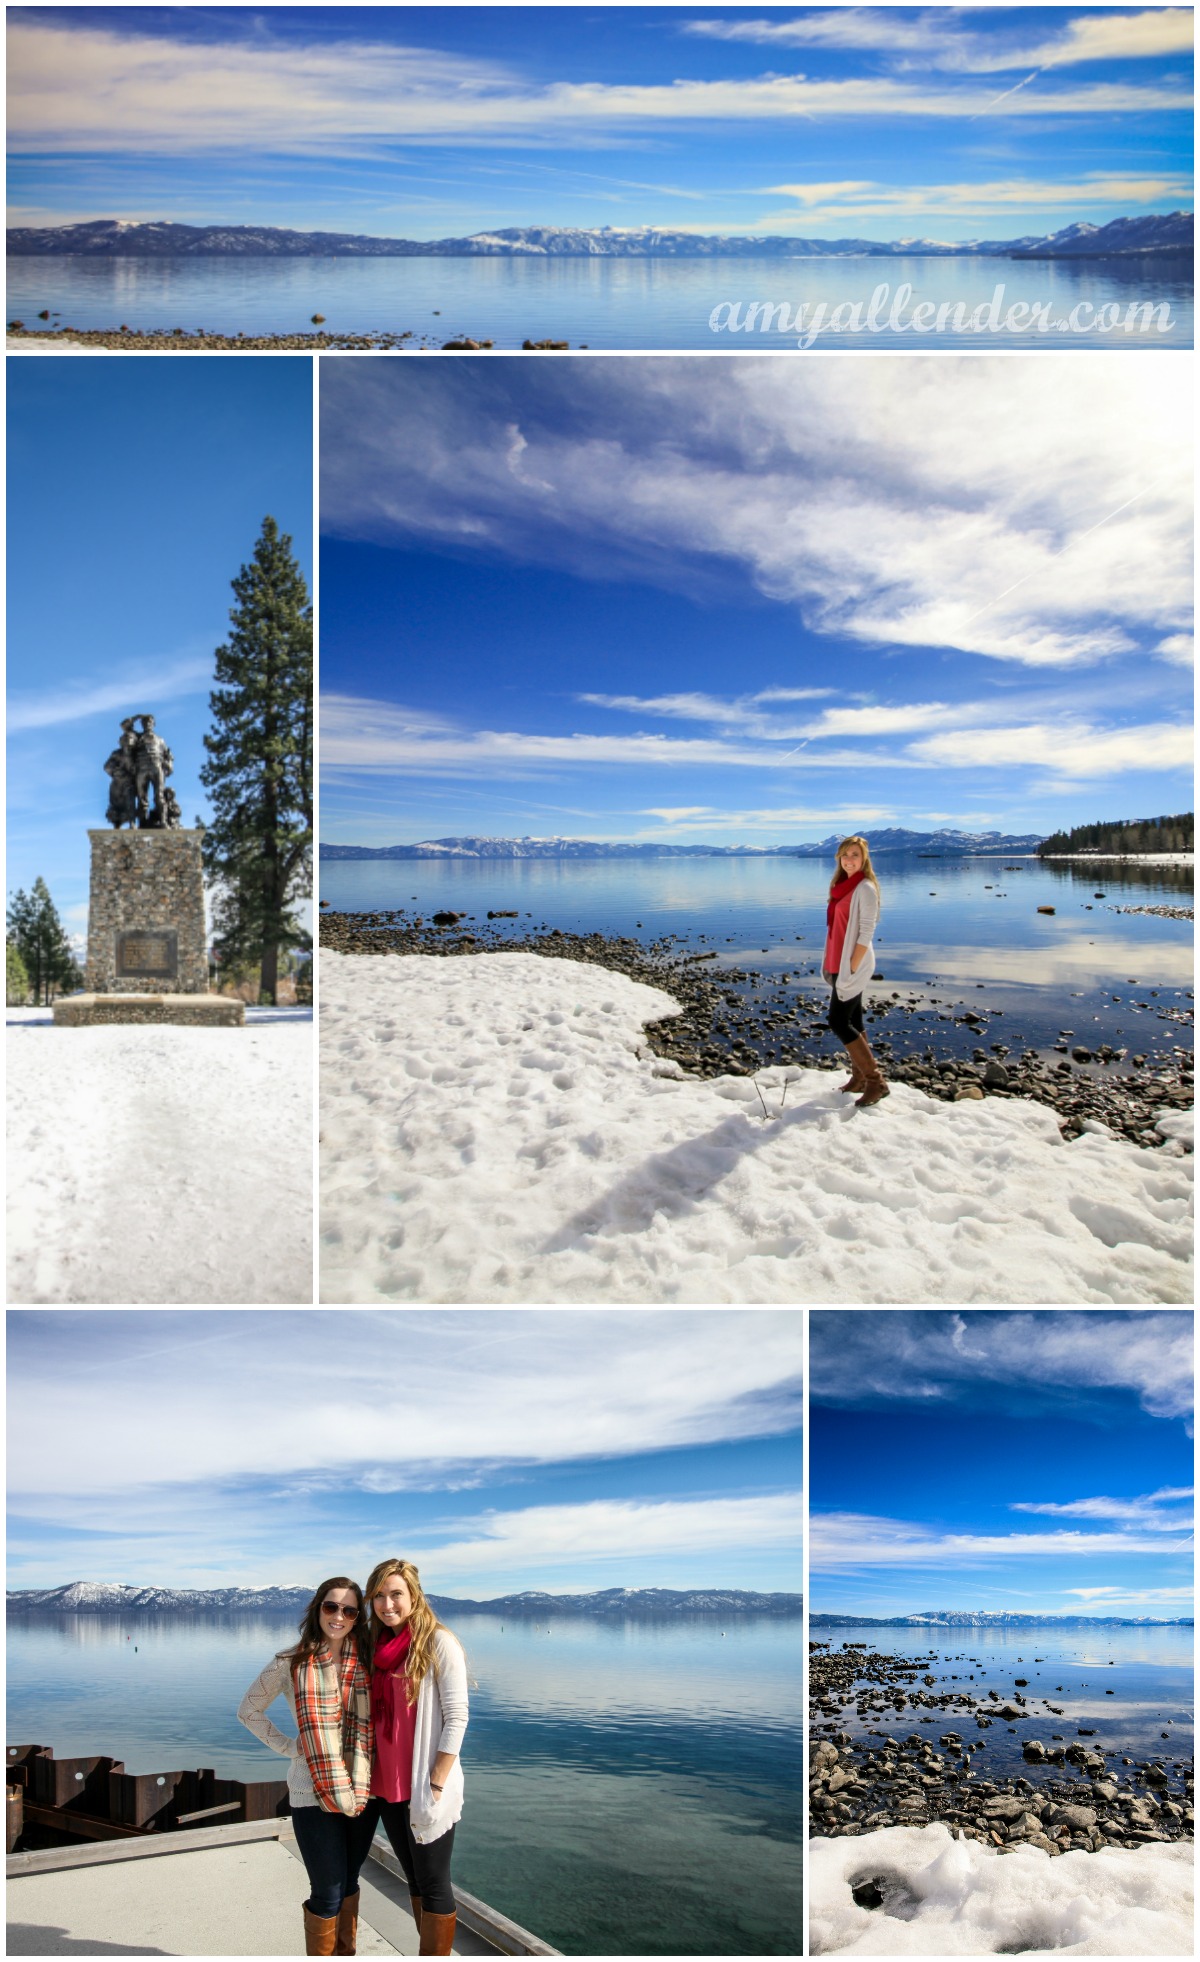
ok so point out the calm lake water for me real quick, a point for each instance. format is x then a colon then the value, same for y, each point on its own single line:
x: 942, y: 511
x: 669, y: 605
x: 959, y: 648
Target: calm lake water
x: 1148, y: 1670
x: 954, y: 933
x: 600, y: 303
x: 633, y: 1788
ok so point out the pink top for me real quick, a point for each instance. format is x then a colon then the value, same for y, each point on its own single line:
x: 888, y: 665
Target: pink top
x: 395, y: 1723
x: 835, y: 939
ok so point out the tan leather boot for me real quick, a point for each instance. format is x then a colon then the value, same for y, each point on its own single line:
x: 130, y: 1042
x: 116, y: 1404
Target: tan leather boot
x: 874, y: 1089
x: 347, y: 1926
x: 320, y: 1933
x: 437, y: 1934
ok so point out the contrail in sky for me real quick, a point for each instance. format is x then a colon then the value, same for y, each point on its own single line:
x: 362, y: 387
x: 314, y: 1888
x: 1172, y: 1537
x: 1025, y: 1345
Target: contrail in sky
x: 1004, y: 98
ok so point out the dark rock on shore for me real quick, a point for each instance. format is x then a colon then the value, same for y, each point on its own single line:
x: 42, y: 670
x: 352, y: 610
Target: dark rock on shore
x: 862, y: 1784
x: 736, y: 1020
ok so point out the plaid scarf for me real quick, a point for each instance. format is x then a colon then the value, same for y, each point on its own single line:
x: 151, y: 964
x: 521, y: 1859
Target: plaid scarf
x: 333, y: 1716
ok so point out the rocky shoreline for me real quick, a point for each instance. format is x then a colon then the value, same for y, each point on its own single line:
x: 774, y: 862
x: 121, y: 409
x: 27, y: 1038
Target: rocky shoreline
x: 738, y: 1020
x: 861, y: 1785
x: 157, y: 340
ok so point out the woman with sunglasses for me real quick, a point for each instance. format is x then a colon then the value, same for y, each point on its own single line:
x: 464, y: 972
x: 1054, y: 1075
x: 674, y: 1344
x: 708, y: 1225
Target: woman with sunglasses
x: 328, y: 1690
x: 419, y: 1707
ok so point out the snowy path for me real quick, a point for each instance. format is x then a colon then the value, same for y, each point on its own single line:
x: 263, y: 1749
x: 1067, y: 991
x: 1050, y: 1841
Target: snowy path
x: 494, y: 1129
x: 957, y: 1897
x: 160, y: 1165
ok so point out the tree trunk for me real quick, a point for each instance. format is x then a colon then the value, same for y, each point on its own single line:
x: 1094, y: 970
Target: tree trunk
x: 269, y: 976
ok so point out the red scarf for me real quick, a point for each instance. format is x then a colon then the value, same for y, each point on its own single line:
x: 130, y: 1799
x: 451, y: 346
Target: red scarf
x: 842, y: 890
x: 388, y: 1657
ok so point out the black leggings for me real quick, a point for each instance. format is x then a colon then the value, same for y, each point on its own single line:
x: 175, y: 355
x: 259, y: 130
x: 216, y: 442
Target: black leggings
x: 846, y: 1017
x: 333, y: 1849
x: 426, y: 1868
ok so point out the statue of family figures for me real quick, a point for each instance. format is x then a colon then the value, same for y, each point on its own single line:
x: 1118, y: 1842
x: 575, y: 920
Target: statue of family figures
x: 141, y: 760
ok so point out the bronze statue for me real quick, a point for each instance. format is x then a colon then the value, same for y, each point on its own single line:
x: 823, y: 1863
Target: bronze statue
x: 141, y: 761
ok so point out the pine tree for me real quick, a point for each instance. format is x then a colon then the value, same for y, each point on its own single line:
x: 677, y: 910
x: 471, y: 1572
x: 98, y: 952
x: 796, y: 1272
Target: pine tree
x: 258, y: 850
x: 16, y: 977
x: 37, y: 933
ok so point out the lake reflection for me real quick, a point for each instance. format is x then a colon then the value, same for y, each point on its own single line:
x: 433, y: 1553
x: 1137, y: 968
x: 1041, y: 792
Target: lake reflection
x: 967, y: 926
x: 613, y: 1768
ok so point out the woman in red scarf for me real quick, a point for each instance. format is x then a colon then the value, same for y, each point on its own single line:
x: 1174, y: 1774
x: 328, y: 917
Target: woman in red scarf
x: 419, y: 1708
x: 850, y: 962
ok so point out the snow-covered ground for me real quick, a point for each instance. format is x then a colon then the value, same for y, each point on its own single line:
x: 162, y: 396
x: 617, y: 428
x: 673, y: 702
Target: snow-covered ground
x: 1123, y: 858
x: 957, y: 1897
x: 150, y: 1164
x: 496, y: 1129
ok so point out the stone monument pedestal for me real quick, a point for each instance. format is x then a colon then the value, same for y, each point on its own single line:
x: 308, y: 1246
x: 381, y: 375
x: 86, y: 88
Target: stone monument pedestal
x: 147, y: 954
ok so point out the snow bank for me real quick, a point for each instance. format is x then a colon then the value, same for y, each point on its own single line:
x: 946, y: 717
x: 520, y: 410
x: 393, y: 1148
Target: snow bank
x: 496, y: 1129
x: 150, y: 1164
x: 956, y: 1897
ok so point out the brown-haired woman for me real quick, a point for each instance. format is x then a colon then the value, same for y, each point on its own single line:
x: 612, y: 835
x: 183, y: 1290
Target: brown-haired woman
x: 328, y: 1690
x: 419, y: 1706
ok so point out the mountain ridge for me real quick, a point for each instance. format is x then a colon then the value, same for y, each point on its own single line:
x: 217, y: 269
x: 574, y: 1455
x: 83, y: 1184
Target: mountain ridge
x: 163, y: 238
x: 944, y: 843
x: 114, y: 1597
x: 989, y: 1618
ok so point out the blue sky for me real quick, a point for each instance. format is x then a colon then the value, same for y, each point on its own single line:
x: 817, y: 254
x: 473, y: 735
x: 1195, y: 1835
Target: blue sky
x: 428, y: 122
x: 752, y: 599
x: 565, y: 1449
x: 137, y: 488
x: 1038, y: 1463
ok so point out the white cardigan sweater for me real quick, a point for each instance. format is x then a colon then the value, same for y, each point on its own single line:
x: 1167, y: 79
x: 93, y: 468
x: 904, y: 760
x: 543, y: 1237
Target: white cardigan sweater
x: 442, y: 1713
x: 860, y: 925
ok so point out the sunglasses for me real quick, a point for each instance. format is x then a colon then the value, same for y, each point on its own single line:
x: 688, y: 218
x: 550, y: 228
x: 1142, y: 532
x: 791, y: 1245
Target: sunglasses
x: 336, y: 1608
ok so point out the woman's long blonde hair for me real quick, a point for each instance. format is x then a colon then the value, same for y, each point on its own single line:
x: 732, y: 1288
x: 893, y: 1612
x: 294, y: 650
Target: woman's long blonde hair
x: 422, y: 1623
x: 868, y: 868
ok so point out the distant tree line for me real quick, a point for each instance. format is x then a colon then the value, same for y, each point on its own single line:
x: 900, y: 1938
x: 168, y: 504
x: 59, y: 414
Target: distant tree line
x: 1160, y: 834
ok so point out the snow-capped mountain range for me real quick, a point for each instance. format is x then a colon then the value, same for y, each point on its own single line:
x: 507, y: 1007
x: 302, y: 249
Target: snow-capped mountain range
x: 126, y: 238
x: 988, y: 1618
x: 110, y: 1597
x: 948, y: 844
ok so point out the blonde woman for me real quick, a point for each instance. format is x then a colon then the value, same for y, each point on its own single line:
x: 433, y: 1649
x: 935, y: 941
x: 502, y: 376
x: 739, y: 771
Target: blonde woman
x: 419, y: 1709
x: 327, y: 1687
x: 849, y: 963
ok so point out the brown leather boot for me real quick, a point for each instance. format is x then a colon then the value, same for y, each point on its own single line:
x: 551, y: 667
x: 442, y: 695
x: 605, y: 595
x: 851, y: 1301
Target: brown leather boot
x: 861, y: 1064
x: 414, y: 1901
x: 320, y: 1933
x: 437, y: 1934
x: 347, y: 1925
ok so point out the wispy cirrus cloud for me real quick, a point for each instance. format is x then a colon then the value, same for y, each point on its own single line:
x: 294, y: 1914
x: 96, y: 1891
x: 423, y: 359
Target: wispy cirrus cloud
x: 75, y: 700
x: 851, y: 1540
x: 861, y: 503
x: 75, y: 86
x: 1163, y: 1511
x: 940, y: 1357
x: 839, y: 201
x: 948, y: 38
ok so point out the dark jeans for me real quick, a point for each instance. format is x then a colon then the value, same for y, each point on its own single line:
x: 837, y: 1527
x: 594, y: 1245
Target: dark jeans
x: 333, y: 1849
x: 846, y: 1017
x: 426, y: 1868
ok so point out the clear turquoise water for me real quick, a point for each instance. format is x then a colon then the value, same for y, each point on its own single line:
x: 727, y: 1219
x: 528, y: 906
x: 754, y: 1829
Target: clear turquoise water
x: 954, y: 933
x: 601, y: 303
x: 633, y: 1788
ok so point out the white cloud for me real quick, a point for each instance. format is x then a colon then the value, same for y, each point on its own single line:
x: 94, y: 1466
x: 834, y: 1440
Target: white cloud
x: 1178, y: 649
x: 1073, y: 750
x: 1005, y: 197
x: 85, y: 88
x: 949, y: 1357
x: 1151, y: 1511
x: 772, y: 818
x: 848, y: 1539
x: 543, y: 1537
x: 220, y: 1396
x: 944, y: 38
x: 1036, y: 512
x: 151, y: 682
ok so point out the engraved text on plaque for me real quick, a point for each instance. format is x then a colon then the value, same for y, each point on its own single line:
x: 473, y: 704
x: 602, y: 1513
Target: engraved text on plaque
x: 151, y: 955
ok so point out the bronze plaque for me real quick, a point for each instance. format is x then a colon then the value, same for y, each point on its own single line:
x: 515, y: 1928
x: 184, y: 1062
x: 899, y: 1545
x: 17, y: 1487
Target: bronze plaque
x: 151, y: 955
